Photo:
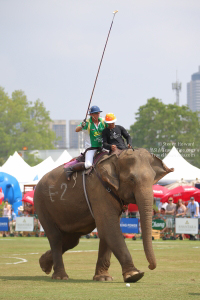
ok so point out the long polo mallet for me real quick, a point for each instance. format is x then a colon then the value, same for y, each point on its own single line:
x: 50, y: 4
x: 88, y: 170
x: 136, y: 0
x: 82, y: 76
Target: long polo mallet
x: 114, y: 13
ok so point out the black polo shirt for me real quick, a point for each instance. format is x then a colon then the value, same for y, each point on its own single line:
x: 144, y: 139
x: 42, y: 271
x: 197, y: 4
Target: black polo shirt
x: 115, y: 137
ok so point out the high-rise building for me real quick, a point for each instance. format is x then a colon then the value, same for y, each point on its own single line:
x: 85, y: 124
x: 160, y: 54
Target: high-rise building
x: 193, y: 92
x: 59, y: 127
x: 76, y: 140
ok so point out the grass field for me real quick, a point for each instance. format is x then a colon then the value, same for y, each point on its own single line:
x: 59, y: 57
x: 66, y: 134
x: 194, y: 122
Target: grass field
x: 177, y: 275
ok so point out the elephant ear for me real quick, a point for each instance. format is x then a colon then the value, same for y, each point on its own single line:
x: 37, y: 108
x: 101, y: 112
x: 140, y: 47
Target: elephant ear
x: 108, y: 170
x: 160, y: 168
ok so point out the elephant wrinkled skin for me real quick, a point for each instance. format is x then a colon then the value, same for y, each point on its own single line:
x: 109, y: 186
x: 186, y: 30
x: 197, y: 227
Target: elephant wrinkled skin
x: 65, y: 216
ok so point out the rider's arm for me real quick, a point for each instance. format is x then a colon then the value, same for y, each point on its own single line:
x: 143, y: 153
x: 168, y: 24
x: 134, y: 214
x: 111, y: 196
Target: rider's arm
x: 78, y: 128
x: 126, y: 135
x: 106, y: 145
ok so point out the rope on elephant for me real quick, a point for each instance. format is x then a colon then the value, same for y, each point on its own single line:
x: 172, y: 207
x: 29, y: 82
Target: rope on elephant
x: 86, y: 197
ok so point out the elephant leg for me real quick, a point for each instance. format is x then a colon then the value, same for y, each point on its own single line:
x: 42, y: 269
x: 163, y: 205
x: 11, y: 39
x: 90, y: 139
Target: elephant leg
x: 69, y: 241
x: 103, y: 263
x: 110, y: 232
x: 46, y: 262
x: 58, y: 265
x: 52, y: 257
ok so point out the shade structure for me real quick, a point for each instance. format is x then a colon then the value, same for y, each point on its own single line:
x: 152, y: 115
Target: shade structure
x: 182, y: 192
x: 159, y: 191
x: 28, y: 197
x: 177, y: 183
x: 63, y: 158
x: 182, y: 168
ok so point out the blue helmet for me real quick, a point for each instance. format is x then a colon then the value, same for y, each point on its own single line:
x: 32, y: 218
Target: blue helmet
x: 94, y: 109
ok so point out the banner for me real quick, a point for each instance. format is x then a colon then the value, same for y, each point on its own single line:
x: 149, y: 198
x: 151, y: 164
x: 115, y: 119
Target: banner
x: 158, y: 224
x: 4, y: 224
x: 186, y: 226
x: 129, y: 225
x: 24, y: 224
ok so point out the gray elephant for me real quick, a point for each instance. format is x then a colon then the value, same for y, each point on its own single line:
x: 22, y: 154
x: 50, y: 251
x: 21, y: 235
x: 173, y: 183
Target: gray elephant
x: 65, y: 215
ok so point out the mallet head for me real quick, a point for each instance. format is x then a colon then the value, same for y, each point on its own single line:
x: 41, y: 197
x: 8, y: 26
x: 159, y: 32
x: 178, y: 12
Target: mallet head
x: 114, y: 12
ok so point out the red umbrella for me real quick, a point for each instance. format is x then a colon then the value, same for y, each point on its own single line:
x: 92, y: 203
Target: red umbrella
x: 181, y: 192
x: 159, y: 191
x: 28, y: 197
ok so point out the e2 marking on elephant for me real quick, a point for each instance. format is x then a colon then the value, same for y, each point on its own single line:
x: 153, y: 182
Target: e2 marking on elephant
x: 65, y: 187
x: 50, y: 193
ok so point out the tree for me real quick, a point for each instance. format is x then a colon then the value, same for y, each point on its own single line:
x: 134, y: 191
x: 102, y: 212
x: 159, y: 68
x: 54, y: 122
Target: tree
x: 23, y: 124
x: 158, y: 127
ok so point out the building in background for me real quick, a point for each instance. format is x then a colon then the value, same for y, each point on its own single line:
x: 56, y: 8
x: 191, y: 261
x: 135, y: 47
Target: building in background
x: 59, y: 127
x: 193, y: 92
x: 76, y: 140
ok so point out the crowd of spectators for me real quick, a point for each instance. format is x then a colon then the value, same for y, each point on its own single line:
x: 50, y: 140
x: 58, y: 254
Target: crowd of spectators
x: 24, y: 210
x: 168, y: 211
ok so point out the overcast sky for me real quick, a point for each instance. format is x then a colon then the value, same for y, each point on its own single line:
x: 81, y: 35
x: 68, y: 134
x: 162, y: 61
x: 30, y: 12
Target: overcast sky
x: 51, y: 50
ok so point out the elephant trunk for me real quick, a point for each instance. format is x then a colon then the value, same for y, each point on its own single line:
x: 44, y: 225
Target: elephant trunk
x: 144, y: 202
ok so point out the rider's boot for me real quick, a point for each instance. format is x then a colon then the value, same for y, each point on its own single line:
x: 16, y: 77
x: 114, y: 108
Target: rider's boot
x: 74, y: 168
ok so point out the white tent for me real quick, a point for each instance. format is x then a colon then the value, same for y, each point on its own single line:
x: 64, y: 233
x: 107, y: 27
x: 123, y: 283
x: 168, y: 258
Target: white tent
x: 42, y: 168
x: 18, y: 168
x: 63, y: 158
x: 182, y: 168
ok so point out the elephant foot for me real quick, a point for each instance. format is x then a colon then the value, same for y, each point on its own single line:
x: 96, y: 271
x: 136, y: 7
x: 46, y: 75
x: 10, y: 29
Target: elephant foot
x: 62, y: 275
x: 46, y: 263
x: 133, y: 276
x: 102, y: 278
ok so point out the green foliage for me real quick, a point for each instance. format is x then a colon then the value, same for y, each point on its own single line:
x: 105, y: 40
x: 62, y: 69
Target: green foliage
x: 158, y: 127
x: 23, y: 124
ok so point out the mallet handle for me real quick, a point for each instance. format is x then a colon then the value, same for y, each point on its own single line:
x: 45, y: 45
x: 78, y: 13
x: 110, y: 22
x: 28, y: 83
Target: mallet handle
x: 100, y: 64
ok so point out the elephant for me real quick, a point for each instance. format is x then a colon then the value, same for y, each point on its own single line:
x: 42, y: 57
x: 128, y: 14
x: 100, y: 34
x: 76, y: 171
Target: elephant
x: 65, y: 216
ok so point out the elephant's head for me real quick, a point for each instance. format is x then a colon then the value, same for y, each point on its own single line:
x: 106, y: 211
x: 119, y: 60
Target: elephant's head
x: 131, y: 174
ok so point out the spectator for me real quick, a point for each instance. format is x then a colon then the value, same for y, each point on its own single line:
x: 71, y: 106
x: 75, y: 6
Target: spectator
x: 170, y: 212
x: 162, y: 205
x: 180, y: 209
x: 6, y: 213
x: 180, y: 212
x: 20, y: 211
x: 12, y: 222
x: 193, y: 207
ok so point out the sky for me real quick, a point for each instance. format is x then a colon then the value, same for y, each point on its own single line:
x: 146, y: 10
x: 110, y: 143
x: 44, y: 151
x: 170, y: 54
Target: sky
x: 52, y: 49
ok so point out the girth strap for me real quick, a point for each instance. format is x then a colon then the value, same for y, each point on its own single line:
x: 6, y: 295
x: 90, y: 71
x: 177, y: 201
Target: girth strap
x: 86, y: 197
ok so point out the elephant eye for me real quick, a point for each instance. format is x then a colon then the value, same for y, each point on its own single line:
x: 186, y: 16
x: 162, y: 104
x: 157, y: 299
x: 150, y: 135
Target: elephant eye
x: 132, y: 178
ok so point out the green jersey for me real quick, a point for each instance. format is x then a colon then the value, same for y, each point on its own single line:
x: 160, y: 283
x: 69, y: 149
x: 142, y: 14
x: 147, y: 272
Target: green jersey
x: 95, y: 132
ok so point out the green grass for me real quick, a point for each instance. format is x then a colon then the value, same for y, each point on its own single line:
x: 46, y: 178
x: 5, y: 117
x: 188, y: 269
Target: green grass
x: 177, y: 275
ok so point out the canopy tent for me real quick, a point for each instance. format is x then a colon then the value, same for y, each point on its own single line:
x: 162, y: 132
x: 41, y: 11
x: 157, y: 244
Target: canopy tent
x: 42, y: 168
x: 63, y: 158
x: 18, y: 168
x: 176, y: 184
x: 182, y: 168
